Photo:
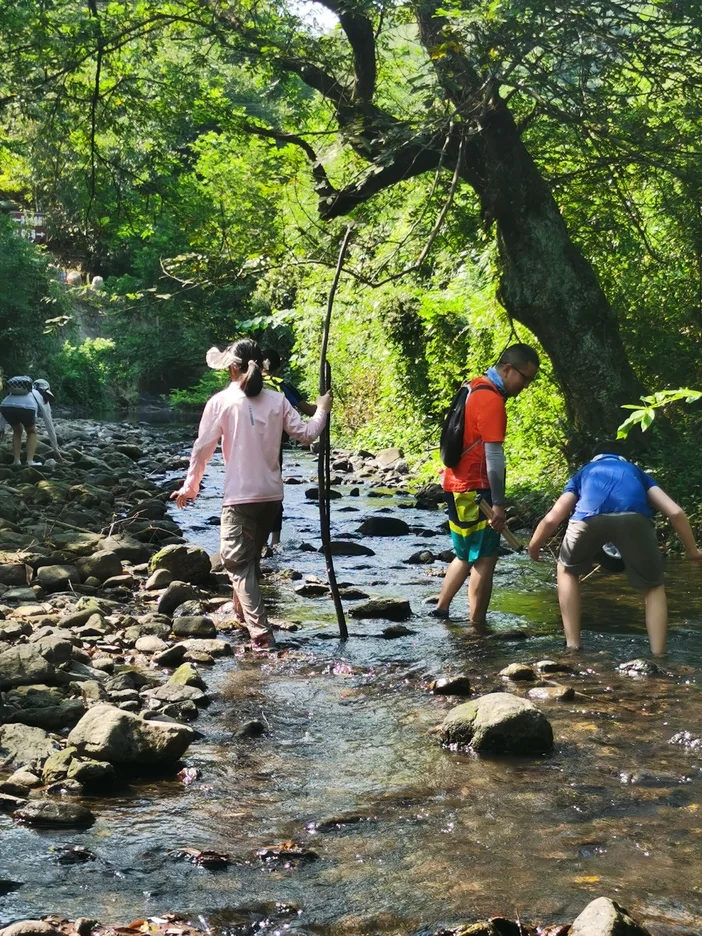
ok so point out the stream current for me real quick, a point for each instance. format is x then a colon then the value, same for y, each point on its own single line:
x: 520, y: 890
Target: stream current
x: 409, y: 837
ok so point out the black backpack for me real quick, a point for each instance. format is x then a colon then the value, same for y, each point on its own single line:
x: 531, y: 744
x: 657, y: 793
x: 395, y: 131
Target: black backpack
x: 451, y: 445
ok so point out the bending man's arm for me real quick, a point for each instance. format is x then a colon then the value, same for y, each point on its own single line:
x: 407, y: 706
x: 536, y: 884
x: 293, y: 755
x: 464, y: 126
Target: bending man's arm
x: 209, y: 434
x: 563, y: 508
x: 659, y: 500
x: 45, y: 413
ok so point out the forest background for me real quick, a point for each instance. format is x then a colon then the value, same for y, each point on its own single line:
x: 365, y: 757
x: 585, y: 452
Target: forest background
x: 521, y: 170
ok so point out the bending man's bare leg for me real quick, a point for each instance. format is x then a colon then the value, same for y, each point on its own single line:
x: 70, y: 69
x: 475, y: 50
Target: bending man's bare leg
x: 569, y: 600
x: 656, y: 619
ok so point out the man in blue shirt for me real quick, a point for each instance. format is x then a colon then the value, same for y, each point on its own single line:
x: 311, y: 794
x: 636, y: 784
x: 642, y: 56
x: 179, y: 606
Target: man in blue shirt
x: 611, y: 500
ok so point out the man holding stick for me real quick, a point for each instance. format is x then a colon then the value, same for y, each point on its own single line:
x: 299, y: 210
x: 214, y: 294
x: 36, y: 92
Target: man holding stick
x: 480, y: 475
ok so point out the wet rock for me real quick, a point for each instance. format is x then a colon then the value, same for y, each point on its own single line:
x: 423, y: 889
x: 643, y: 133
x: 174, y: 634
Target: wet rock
x: 161, y: 578
x: 604, y: 917
x: 551, y: 666
x: 451, y: 685
x: 552, y: 693
x: 109, y: 734
x: 649, y: 778
x: 7, y: 886
x: 383, y: 526
x: 50, y: 813
x: 19, y: 594
x: 312, y: 590
x: 24, y: 665
x: 74, y: 854
x: 687, y: 740
x: 56, y: 766
x: 313, y: 494
x: 15, y: 574
x: 250, y: 729
x: 57, y: 578
x: 187, y: 675
x: 392, y: 609
x: 185, y: 563
x: 30, y: 928
x: 640, y: 668
x: 176, y: 593
x: 518, y: 672
x: 498, y: 723
x: 194, y: 626
x: 348, y: 548
x: 128, y: 549
x: 43, y: 707
x: 205, y: 859
x: 352, y: 594
x: 393, y: 631
x: 9, y: 802
x: 423, y: 557
x: 286, y: 855
x: 190, y: 609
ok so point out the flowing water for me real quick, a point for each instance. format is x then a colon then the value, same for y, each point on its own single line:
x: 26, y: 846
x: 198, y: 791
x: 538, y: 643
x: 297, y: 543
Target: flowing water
x: 409, y: 837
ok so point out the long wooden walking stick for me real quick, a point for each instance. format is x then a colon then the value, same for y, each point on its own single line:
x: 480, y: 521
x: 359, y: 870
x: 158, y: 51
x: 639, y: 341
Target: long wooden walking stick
x: 324, y: 458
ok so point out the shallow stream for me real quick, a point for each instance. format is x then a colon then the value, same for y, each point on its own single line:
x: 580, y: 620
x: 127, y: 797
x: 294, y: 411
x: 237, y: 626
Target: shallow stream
x: 413, y: 837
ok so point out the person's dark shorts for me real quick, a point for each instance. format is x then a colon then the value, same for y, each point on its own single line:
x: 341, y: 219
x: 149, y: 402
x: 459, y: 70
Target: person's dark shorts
x: 18, y: 416
x: 278, y: 525
x: 634, y: 536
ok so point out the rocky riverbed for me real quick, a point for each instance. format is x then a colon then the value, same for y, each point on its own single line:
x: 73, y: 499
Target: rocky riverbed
x: 122, y: 671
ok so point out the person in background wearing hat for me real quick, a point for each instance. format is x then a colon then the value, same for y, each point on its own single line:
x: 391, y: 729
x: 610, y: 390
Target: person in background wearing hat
x: 271, y: 366
x: 19, y: 409
x: 250, y: 421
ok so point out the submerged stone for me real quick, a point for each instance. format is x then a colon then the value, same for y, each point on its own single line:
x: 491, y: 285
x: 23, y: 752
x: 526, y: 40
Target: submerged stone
x: 498, y: 723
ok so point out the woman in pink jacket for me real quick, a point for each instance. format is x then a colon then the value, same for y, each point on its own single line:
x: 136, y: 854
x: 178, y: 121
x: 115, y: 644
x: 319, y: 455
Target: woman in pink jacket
x: 250, y: 422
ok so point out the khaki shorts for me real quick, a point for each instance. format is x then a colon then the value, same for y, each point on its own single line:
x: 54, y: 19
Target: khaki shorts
x: 244, y: 531
x: 634, y: 536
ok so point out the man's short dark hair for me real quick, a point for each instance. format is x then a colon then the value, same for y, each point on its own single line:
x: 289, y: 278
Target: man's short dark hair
x: 611, y: 447
x: 273, y: 358
x: 518, y: 355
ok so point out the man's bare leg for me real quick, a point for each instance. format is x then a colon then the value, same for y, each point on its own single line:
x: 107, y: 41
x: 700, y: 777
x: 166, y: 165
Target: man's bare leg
x: 31, y: 444
x: 456, y: 574
x: 569, y: 600
x: 656, y: 619
x: 17, y: 443
x: 480, y: 589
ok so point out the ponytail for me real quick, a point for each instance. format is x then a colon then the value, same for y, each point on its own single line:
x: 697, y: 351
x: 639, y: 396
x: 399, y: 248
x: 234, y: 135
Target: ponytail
x: 249, y: 353
x: 252, y: 384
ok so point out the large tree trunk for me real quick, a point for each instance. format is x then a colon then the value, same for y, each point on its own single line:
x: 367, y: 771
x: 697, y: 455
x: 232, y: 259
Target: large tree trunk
x: 548, y: 285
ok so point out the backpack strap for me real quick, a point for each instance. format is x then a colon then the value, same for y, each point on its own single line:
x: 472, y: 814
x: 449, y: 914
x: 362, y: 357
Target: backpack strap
x: 481, y: 386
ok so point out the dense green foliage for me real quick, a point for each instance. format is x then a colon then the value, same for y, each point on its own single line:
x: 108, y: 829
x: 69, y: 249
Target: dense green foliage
x: 195, y: 157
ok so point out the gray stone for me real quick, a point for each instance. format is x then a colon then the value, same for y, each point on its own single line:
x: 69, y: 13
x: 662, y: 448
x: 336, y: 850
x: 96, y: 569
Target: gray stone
x: 48, y: 813
x: 199, y: 626
x: 56, y: 766
x: 54, y: 648
x: 185, y: 563
x: 58, y: 578
x: 24, y: 746
x: 42, y: 706
x: 24, y: 665
x: 215, y: 648
x: 109, y: 734
x: 30, y: 928
x: 604, y: 917
x: 175, y: 692
x: 128, y: 549
x: 172, y: 656
x: 176, y: 593
x: 451, y: 685
x: 187, y: 675
x: 101, y: 565
x: 498, y: 723
x: 518, y: 672
x: 387, y: 458
x: 92, y: 774
x: 15, y: 574
x: 552, y: 693
x: 190, y: 609
x: 149, y: 643
x: 161, y: 578
x: 423, y: 557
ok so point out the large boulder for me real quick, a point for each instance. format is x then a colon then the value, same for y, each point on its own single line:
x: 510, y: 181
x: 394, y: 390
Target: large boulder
x: 185, y: 563
x: 498, y: 723
x: 22, y: 746
x: 383, y: 526
x: 15, y: 574
x: 42, y: 706
x: 604, y: 917
x: 30, y: 928
x: 109, y: 734
x: 24, y: 665
x: 128, y: 549
x: 176, y: 594
x: 54, y: 648
x: 101, y: 565
x: 197, y: 626
x: 387, y: 458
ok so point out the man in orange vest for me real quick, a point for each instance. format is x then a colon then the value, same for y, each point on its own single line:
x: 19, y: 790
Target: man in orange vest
x: 480, y: 474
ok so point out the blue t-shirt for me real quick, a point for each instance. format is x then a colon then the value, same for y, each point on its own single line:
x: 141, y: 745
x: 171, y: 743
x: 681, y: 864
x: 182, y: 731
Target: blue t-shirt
x: 610, y: 484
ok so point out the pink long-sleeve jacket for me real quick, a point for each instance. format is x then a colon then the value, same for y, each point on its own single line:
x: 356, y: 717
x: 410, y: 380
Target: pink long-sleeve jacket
x: 251, y: 429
